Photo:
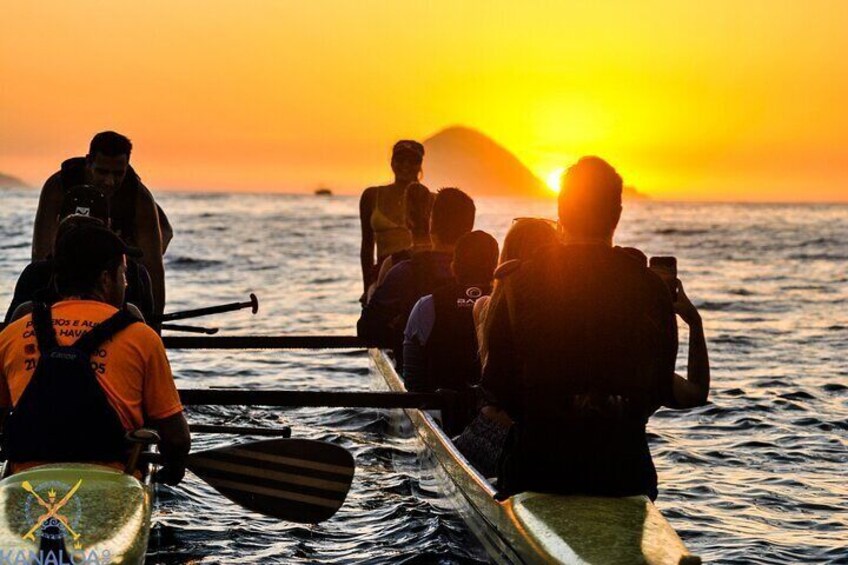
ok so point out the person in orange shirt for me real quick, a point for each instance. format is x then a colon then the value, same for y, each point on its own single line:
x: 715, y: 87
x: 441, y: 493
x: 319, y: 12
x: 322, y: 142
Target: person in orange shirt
x: 75, y: 377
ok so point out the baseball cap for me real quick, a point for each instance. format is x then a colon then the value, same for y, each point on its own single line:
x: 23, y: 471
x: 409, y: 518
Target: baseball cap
x: 408, y: 146
x: 85, y: 200
x: 84, y: 251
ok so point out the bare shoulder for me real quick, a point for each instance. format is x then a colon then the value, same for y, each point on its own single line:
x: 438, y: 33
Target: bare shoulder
x: 144, y: 195
x: 369, y: 194
x: 53, y: 186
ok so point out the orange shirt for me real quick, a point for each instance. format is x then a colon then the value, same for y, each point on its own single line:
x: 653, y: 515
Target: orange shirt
x: 131, y: 367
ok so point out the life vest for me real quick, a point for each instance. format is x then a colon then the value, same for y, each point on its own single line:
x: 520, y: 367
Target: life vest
x: 594, y: 332
x: 121, y: 204
x: 427, y: 275
x: 453, y: 361
x: 64, y: 414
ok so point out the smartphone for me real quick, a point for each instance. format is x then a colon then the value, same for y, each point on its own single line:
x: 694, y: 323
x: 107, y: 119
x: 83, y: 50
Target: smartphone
x: 666, y: 268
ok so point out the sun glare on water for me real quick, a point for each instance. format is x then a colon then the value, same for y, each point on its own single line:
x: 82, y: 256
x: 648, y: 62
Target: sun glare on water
x: 553, y: 179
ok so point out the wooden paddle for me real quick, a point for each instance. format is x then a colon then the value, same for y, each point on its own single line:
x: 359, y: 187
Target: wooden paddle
x: 284, y: 431
x: 297, y: 480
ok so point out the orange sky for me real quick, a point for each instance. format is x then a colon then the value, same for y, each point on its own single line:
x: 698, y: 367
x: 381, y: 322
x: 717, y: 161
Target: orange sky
x: 726, y: 101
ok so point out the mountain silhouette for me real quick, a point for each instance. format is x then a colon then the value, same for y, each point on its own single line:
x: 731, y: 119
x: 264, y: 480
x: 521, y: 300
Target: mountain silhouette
x: 468, y: 159
x: 465, y: 158
x: 8, y: 181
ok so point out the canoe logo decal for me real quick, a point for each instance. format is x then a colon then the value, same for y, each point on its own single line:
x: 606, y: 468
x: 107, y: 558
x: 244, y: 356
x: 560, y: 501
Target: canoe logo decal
x: 52, y: 509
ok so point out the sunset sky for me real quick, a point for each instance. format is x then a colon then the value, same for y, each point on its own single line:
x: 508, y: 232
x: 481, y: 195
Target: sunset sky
x: 719, y: 100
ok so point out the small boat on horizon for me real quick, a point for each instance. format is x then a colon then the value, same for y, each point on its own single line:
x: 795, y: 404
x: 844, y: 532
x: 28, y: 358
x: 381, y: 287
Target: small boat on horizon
x: 323, y: 192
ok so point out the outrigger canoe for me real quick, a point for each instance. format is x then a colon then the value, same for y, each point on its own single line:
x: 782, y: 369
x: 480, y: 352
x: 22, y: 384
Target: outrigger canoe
x: 533, y: 527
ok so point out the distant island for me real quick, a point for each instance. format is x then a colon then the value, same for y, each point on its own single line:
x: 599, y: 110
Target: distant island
x: 8, y: 181
x: 464, y: 157
x: 631, y: 192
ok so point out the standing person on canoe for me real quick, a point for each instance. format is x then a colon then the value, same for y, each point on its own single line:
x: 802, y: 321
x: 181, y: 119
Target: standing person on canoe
x: 440, y: 343
x: 418, y: 204
x: 82, y: 204
x: 136, y: 217
x: 582, y: 351
x: 381, y: 212
x: 384, y: 317
x: 77, y: 375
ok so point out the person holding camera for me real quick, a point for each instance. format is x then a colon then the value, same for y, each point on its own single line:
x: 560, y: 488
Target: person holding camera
x: 582, y: 352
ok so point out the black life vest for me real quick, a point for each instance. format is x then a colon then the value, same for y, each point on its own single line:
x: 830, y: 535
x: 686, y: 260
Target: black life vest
x: 121, y: 204
x: 453, y: 361
x: 64, y: 414
x: 427, y: 276
x: 594, y: 332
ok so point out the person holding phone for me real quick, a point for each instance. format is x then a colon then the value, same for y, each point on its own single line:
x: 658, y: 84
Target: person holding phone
x: 582, y: 351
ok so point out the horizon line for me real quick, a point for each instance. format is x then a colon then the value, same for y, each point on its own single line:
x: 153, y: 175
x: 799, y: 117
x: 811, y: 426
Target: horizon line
x: 311, y: 192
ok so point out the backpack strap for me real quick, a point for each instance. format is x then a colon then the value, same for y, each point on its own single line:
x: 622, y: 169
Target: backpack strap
x: 42, y: 323
x: 104, y: 330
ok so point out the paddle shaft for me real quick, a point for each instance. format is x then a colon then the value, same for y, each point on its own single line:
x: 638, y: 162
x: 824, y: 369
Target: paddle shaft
x: 189, y: 329
x: 313, y: 398
x: 285, y: 431
x: 265, y: 342
x: 253, y: 303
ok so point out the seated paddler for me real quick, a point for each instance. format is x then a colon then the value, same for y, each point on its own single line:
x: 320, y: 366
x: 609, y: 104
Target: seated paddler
x: 440, y: 343
x: 83, y: 204
x: 581, y: 352
x: 77, y: 375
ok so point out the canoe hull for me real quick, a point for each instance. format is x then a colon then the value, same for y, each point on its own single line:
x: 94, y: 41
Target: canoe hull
x: 536, y: 527
x: 103, y: 514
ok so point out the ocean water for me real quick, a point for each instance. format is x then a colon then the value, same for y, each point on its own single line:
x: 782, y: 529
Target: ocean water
x: 759, y: 475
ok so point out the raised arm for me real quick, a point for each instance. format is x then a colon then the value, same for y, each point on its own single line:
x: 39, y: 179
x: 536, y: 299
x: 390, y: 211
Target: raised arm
x: 47, y: 217
x: 366, y: 250
x: 695, y: 388
x: 149, y: 240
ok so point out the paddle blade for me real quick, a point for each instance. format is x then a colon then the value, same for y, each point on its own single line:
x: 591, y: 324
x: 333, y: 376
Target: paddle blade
x: 297, y: 480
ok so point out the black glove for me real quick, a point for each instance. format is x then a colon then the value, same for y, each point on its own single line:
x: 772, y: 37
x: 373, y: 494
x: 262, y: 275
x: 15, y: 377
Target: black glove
x: 169, y: 474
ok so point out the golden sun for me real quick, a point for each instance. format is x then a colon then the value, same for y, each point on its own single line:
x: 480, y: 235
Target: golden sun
x: 554, y: 178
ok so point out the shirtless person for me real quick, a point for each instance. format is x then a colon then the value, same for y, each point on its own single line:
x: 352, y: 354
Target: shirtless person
x: 135, y: 215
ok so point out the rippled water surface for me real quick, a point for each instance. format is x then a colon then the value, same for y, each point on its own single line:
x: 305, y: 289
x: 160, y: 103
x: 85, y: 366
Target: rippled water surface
x: 756, y: 476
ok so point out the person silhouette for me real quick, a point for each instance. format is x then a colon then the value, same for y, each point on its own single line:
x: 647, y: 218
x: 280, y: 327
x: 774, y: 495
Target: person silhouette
x: 581, y: 352
x: 135, y: 216
x: 382, y: 214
